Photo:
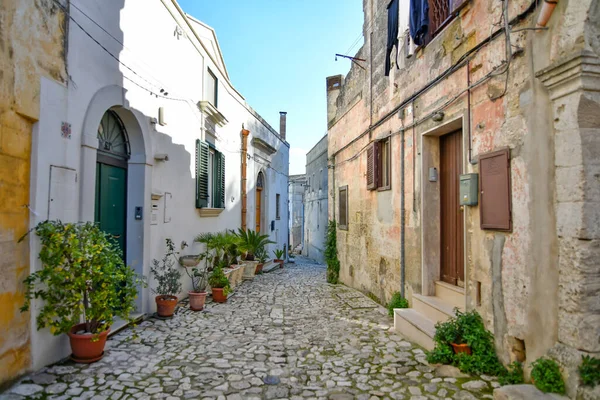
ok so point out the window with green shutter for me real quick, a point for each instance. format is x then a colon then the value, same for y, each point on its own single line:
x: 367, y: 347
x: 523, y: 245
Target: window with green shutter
x: 210, y: 176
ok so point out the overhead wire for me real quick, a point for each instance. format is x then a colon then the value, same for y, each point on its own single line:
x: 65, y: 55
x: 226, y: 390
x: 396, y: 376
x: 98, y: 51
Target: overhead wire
x: 369, y: 26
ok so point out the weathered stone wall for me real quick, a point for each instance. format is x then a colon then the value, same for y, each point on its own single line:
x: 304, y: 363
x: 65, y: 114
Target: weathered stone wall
x: 517, y: 271
x: 315, y: 202
x: 31, y: 46
x: 296, y: 196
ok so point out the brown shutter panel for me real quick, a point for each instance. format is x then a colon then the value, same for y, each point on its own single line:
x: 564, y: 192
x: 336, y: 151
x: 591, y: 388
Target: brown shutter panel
x: 371, y: 167
x: 495, y: 187
x: 456, y: 5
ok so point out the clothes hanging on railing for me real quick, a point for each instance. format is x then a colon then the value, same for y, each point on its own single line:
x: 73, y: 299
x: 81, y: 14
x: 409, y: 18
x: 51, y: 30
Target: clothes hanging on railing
x: 419, y: 20
x: 392, y: 39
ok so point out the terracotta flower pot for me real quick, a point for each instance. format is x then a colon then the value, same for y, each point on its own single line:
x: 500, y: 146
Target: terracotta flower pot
x: 461, y: 348
x: 165, y: 305
x: 259, y: 267
x: 218, y: 295
x: 84, y: 347
x: 197, y: 300
x: 280, y: 263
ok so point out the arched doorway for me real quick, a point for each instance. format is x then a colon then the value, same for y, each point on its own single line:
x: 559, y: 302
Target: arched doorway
x: 111, y: 178
x: 260, y: 184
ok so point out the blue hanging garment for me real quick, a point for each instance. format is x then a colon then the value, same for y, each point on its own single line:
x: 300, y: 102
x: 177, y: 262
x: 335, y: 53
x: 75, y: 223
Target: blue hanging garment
x: 392, y: 39
x: 419, y: 20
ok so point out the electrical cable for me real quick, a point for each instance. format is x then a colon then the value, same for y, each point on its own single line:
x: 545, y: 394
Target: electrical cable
x: 357, y: 40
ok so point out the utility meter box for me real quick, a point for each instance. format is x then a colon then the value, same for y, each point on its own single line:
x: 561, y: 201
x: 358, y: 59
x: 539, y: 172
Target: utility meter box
x: 469, y: 189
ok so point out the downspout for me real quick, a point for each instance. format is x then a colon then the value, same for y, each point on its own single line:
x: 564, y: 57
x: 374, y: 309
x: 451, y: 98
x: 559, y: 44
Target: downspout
x: 546, y: 12
x: 402, y: 219
x: 244, y: 165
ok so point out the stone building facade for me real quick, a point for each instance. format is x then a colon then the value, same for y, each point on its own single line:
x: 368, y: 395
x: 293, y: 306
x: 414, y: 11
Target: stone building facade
x: 296, y: 212
x: 32, y: 49
x: 315, y: 199
x: 520, y: 110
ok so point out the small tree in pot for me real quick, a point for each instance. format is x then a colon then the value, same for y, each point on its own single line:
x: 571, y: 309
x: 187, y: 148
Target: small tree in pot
x: 219, y: 284
x: 167, y: 277
x: 83, y: 278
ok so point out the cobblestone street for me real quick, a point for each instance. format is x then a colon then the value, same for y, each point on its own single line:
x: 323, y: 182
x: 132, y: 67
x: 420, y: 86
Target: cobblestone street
x: 286, y: 335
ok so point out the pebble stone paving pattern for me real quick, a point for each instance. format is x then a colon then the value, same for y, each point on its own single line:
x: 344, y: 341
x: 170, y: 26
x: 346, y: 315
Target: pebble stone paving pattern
x: 286, y: 335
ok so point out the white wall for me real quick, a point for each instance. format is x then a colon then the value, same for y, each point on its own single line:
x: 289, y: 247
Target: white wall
x: 160, y: 59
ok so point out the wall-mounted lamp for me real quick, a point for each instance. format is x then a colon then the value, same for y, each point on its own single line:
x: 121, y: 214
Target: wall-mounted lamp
x: 161, y: 157
x: 438, y: 116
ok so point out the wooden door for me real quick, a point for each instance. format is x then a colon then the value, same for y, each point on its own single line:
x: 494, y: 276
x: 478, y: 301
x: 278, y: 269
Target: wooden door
x: 452, y: 223
x: 111, y: 195
x: 258, y: 208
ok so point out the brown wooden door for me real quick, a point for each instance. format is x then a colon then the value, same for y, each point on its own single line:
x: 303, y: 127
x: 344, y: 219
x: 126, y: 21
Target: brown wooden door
x: 452, y: 223
x: 258, y: 208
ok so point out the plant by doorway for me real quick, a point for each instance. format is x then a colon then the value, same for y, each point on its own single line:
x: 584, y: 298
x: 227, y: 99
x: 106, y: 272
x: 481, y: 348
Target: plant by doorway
x: 333, y: 263
x: 589, y: 370
x: 397, y: 301
x: 250, y: 242
x: 168, y: 280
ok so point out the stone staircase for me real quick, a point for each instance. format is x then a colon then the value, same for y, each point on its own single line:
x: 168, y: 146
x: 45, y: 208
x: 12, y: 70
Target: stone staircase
x: 417, y: 324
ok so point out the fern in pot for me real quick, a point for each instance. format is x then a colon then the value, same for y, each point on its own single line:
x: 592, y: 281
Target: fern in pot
x: 168, y: 281
x: 83, y: 284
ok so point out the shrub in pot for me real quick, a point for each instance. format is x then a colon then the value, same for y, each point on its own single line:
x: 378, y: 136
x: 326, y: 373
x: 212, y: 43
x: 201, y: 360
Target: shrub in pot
x: 219, y: 284
x: 250, y: 242
x: 84, y: 284
x: 198, y: 276
x: 168, y: 279
x: 262, y: 259
x: 278, y: 253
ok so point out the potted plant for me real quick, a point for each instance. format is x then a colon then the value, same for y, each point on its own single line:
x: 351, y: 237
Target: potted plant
x: 198, y: 276
x: 231, y: 248
x: 262, y: 259
x: 168, y: 282
x: 84, y: 284
x: 278, y: 253
x: 219, y: 285
x: 249, y: 242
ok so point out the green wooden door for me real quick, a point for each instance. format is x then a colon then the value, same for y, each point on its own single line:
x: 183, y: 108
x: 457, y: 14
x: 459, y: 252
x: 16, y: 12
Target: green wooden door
x: 111, y: 195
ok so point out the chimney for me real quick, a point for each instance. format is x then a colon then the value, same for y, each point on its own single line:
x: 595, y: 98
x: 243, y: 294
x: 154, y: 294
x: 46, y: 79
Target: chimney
x: 282, y: 123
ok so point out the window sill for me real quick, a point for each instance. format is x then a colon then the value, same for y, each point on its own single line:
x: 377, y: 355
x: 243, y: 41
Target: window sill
x: 210, y: 212
x: 343, y: 227
x: 278, y: 218
x: 384, y: 188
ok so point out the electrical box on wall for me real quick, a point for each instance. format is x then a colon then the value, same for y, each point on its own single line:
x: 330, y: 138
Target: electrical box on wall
x: 469, y: 189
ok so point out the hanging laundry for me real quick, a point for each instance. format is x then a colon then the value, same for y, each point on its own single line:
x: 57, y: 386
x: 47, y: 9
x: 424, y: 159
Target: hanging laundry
x: 419, y: 20
x: 392, y: 39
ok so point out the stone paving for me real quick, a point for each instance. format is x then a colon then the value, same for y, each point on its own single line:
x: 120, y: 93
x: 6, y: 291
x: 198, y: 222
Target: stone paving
x: 286, y: 335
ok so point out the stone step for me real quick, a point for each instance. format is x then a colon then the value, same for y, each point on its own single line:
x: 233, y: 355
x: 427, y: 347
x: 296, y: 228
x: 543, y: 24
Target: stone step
x: 414, y: 326
x: 270, y: 266
x: 524, y: 392
x: 433, y: 307
x: 450, y: 294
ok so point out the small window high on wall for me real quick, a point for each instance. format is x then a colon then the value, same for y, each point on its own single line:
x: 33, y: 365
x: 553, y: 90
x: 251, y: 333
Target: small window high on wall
x: 277, y: 206
x: 212, y: 85
x: 343, y: 208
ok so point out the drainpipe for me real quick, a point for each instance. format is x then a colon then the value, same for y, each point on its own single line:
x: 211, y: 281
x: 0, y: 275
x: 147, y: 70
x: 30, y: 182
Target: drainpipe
x: 244, y: 165
x: 546, y: 12
x: 402, y: 219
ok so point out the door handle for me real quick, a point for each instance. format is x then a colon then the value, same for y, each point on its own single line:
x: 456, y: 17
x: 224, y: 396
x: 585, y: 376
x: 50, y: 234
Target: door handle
x: 461, y: 208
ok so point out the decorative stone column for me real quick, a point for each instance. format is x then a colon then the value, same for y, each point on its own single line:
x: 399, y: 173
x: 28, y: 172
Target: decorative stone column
x: 574, y: 87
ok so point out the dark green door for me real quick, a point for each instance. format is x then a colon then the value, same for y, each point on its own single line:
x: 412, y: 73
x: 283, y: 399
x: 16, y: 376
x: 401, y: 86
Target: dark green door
x: 111, y: 197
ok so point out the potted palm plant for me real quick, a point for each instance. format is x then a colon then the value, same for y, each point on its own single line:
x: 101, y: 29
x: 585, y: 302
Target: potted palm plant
x: 83, y: 283
x: 262, y: 259
x: 219, y: 285
x: 249, y: 243
x: 278, y: 253
x: 168, y: 279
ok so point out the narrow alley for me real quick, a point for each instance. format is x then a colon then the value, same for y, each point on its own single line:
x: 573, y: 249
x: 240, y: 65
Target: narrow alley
x: 287, y: 335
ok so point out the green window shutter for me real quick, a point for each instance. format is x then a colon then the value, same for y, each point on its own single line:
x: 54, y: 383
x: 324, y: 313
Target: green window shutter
x: 219, y: 179
x: 201, y: 174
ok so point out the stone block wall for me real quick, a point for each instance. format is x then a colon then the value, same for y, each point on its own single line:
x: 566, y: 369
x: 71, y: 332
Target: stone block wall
x: 32, y: 38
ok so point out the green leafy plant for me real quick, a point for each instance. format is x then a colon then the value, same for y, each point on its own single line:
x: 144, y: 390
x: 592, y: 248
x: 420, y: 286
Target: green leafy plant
x: 199, y: 275
x: 513, y: 375
x: 589, y: 370
x: 466, y: 328
x: 331, y: 258
x: 278, y: 253
x: 83, y: 277
x: 218, y: 280
x: 261, y: 254
x: 397, y: 301
x: 547, y: 377
x: 166, y: 275
x: 249, y: 242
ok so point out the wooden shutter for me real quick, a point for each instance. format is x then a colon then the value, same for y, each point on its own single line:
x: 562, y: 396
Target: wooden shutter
x: 201, y: 174
x: 219, y: 179
x: 343, y: 208
x: 456, y: 5
x: 494, y: 184
x: 373, y: 166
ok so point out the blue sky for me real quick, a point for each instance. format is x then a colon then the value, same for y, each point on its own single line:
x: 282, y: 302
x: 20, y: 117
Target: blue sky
x: 278, y: 54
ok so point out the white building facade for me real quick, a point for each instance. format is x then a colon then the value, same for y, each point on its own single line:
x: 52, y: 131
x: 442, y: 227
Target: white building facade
x: 149, y: 138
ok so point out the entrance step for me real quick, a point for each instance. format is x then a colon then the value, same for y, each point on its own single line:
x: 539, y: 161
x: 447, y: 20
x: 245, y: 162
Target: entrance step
x: 433, y: 307
x: 270, y: 266
x: 450, y: 294
x: 415, y: 327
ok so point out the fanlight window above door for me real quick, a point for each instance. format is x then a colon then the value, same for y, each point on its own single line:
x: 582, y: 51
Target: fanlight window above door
x: 112, y: 137
x: 260, y: 181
